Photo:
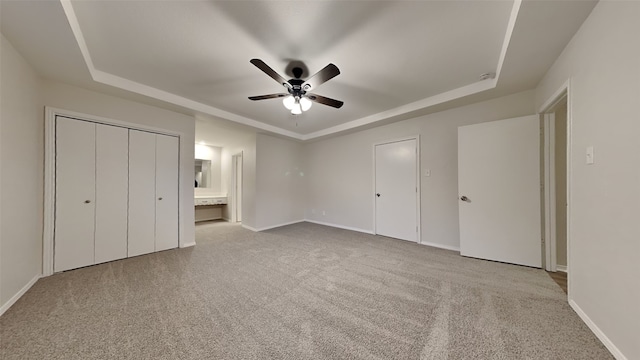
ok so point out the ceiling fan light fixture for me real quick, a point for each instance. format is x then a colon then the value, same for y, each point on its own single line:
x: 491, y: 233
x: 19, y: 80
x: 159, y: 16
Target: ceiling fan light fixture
x: 289, y: 102
x: 305, y: 103
x: 297, y: 109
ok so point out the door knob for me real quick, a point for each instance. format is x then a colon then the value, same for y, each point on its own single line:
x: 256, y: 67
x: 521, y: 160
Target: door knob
x: 87, y: 201
x: 464, y: 198
x: 159, y: 198
x: 378, y: 194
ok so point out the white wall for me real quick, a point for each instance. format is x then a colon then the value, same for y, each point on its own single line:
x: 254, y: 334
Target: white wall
x: 602, y: 62
x: 280, y: 181
x: 339, y: 171
x: 21, y: 180
x: 75, y: 99
x: 213, y: 153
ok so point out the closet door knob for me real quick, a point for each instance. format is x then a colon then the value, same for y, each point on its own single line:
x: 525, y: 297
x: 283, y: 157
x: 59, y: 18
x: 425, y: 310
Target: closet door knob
x: 159, y: 198
x: 87, y: 201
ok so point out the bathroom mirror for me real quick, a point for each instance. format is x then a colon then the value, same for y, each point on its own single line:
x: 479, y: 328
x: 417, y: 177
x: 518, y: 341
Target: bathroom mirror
x: 202, y: 173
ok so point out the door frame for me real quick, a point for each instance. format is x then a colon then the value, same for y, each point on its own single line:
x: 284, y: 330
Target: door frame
x: 418, y: 193
x: 547, y: 111
x: 50, y: 176
x: 549, y: 185
x: 234, y: 186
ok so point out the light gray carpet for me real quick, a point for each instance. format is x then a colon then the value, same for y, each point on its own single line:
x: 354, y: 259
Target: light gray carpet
x: 299, y: 292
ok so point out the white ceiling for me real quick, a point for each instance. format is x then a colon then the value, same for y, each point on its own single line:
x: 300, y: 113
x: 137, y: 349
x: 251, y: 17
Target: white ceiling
x: 397, y: 58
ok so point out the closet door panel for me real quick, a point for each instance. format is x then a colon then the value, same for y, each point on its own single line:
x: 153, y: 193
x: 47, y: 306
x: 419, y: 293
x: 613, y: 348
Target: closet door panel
x: 75, y: 194
x: 142, y: 182
x: 167, y: 151
x: 112, y: 170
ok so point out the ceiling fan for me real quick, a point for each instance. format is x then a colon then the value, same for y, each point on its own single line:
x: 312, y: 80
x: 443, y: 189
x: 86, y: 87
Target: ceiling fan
x: 298, y: 98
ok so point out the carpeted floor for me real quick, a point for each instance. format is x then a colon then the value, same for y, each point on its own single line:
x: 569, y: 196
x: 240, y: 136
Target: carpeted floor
x: 299, y: 292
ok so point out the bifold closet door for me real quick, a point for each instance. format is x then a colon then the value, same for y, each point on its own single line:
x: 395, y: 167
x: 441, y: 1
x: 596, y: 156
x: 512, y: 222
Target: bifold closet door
x: 112, y: 184
x: 75, y: 194
x: 167, y: 150
x: 142, y: 191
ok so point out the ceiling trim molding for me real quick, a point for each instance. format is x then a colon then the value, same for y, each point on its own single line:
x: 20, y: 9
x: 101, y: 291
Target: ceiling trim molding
x: 136, y: 87
x: 407, y: 108
x: 515, y: 10
x: 77, y: 33
x: 152, y: 92
x: 146, y: 90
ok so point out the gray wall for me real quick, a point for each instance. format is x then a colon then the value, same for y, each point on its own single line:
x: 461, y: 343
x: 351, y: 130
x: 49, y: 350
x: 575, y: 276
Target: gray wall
x: 279, y: 181
x: 339, y: 171
x: 21, y: 179
x: 602, y: 62
x: 24, y: 96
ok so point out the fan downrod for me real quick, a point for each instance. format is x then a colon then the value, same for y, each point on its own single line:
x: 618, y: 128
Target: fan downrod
x: 297, y: 72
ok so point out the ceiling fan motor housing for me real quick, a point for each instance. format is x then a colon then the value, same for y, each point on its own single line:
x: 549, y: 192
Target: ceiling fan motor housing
x: 296, y: 88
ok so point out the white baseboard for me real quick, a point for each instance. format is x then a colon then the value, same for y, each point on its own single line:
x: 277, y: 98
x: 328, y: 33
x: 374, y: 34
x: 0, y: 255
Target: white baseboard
x: 596, y: 330
x: 193, y: 243
x: 272, y: 226
x: 249, y: 227
x: 340, y: 226
x: 17, y: 296
x: 280, y: 225
x: 562, y: 268
x: 441, y: 246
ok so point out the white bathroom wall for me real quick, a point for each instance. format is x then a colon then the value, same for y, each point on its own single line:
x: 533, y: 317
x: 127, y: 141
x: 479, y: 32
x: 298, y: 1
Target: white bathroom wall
x: 214, y: 154
x: 232, y: 139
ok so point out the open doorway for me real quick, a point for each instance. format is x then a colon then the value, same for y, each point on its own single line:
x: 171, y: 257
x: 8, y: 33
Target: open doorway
x: 556, y: 117
x: 236, y: 188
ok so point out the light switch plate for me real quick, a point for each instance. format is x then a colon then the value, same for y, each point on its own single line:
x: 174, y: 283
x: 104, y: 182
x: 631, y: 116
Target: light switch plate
x: 589, y: 155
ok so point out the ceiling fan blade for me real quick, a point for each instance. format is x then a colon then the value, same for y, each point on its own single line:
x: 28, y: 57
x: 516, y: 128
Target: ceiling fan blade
x: 270, y: 96
x: 325, y: 100
x: 327, y: 73
x: 269, y: 71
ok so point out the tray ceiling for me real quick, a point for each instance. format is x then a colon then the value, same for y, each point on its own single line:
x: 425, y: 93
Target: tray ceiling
x: 395, y: 57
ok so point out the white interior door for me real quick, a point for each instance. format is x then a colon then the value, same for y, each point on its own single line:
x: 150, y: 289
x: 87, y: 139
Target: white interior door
x: 166, y: 178
x: 112, y: 172
x: 75, y: 194
x: 499, y: 190
x: 142, y: 193
x: 397, y: 190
